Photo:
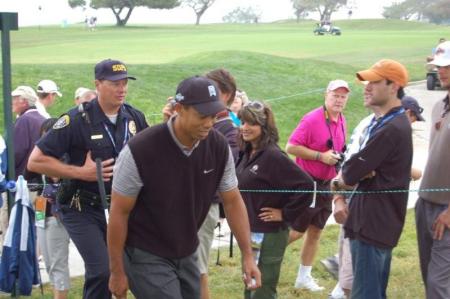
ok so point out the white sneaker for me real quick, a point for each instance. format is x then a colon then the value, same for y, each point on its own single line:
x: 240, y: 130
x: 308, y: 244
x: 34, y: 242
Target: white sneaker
x: 308, y: 283
x: 337, y: 293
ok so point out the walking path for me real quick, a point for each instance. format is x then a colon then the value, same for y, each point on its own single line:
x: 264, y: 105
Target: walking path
x: 421, y: 134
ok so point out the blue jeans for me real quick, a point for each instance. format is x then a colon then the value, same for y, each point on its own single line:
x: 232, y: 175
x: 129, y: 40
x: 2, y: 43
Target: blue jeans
x: 371, y: 267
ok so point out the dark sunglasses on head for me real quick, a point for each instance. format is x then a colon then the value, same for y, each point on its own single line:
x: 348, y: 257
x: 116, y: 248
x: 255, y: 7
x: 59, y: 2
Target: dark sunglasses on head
x: 255, y: 105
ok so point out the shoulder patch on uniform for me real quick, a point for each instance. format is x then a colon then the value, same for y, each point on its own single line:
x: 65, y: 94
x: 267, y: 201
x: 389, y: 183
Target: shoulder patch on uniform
x: 62, y: 122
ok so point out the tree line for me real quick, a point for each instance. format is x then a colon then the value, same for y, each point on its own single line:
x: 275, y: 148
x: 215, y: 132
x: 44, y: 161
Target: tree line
x: 435, y: 11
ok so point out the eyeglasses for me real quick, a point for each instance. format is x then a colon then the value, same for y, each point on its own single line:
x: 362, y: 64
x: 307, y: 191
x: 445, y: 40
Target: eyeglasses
x: 255, y: 106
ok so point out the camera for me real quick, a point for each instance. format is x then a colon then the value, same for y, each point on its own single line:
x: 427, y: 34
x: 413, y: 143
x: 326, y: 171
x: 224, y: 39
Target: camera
x: 340, y: 161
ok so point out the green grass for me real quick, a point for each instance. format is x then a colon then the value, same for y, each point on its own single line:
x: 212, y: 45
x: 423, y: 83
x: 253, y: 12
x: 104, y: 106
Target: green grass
x: 225, y: 280
x: 283, y: 63
x: 269, y: 60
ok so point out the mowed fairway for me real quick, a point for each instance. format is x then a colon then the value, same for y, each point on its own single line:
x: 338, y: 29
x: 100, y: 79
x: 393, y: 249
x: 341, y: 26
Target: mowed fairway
x: 282, y: 63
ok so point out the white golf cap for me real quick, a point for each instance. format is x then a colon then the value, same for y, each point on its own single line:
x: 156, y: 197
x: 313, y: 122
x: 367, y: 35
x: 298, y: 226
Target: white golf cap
x: 335, y: 84
x: 80, y: 91
x: 442, y: 55
x: 25, y: 92
x: 48, y: 86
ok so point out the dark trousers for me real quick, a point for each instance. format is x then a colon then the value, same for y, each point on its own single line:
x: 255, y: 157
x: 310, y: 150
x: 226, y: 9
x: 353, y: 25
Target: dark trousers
x: 151, y: 276
x: 87, y: 229
x: 269, y: 263
x: 434, y: 254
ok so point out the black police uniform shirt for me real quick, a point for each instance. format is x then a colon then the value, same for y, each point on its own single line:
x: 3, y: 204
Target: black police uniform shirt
x: 87, y: 128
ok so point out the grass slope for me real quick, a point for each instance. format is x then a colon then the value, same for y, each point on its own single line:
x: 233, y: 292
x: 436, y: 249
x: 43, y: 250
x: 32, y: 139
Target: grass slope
x: 292, y: 86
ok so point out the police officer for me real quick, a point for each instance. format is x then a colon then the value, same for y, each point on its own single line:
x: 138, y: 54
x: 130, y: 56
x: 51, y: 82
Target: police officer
x: 98, y: 129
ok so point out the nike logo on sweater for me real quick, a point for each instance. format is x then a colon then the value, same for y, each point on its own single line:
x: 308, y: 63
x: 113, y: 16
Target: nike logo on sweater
x: 207, y: 171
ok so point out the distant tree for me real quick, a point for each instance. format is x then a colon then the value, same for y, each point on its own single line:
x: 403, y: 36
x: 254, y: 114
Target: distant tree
x: 407, y: 9
x: 127, y: 6
x: 399, y: 10
x: 325, y: 8
x: 77, y: 3
x: 438, y: 12
x: 199, y: 7
x: 242, y: 15
x: 301, y: 8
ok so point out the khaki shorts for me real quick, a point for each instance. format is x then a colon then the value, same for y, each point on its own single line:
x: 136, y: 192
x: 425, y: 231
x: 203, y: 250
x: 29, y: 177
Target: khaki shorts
x: 345, y: 262
x: 206, y: 236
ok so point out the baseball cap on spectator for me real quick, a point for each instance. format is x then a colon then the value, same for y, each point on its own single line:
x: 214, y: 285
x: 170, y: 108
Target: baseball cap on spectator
x: 48, y: 86
x: 335, y: 84
x: 112, y: 70
x: 80, y: 91
x: 442, y: 55
x: 385, y: 69
x: 200, y: 93
x: 25, y: 92
x: 410, y: 103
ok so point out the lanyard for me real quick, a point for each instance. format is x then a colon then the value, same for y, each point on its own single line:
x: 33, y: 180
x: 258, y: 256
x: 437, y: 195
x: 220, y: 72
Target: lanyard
x: 376, y: 124
x: 125, y: 137
x: 383, y: 120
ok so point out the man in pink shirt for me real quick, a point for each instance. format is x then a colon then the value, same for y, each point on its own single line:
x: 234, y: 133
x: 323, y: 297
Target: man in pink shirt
x: 318, y: 143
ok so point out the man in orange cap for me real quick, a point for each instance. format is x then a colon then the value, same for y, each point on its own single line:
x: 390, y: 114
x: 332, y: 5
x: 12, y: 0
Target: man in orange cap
x: 375, y: 219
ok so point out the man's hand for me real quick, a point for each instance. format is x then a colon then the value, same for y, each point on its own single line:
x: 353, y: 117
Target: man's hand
x: 340, y: 209
x: 251, y: 274
x: 89, y: 169
x: 441, y: 223
x: 168, y: 109
x: 270, y: 215
x: 329, y: 157
x: 118, y: 285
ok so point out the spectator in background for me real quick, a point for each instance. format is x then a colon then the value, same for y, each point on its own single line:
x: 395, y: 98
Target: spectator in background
x: 375, y: 220
x: 239, y: 101
x: 345, y: 279
x: 317, y: 143
x: 433, y: 208
x: 52, y: 237
x: 4, y: 202
x: 47, y: 91
x: 264, y: 166
x: 224, y: 124
x: 27, y: 126
x: 83, y: 94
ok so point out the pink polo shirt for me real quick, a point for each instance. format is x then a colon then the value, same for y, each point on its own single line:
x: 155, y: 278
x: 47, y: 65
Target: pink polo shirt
x: 312, y: 132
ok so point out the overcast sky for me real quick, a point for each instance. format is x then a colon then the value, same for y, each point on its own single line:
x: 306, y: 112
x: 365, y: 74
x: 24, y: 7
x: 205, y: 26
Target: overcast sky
x: 58, y: 11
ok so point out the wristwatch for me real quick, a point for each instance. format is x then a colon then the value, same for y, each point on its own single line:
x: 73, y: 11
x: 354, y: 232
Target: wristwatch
x: 335, y: 183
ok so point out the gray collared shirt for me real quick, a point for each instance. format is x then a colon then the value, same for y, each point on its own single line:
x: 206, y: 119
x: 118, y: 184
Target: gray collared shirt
x: 128, y: 182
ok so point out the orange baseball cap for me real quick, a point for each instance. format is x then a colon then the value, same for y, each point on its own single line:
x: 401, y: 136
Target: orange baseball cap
x: 385, y: 69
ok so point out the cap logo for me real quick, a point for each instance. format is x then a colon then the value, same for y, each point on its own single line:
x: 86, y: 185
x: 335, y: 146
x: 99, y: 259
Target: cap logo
x: 439, y: 51
x: 212, y: 90
x: 179, y: 97
x: 119, y: 68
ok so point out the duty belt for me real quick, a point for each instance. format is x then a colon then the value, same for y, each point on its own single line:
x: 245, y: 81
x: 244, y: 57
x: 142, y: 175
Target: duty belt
x: 89, y: 198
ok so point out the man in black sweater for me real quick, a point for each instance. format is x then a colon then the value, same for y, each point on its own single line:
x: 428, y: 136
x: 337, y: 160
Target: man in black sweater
x: 163, y: 185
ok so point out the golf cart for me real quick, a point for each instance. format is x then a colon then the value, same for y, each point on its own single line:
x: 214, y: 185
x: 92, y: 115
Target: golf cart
x: 327, y: 28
